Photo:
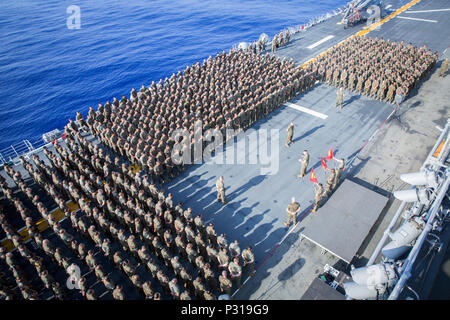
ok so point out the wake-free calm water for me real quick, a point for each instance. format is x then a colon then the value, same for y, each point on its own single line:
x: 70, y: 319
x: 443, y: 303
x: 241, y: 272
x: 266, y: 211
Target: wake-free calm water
x: 48, y: 72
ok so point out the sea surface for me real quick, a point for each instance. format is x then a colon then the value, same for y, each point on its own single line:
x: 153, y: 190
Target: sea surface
x: 48, y: 71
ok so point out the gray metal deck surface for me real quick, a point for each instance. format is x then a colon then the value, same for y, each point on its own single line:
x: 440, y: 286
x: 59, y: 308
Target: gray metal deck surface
x: 343, y: 222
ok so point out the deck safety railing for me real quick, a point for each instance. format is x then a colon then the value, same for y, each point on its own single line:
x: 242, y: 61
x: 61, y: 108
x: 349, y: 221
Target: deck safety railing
x: 12, y: 153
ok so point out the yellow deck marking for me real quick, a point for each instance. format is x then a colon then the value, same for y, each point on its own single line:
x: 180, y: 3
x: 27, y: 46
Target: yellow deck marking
x: 364, y: 32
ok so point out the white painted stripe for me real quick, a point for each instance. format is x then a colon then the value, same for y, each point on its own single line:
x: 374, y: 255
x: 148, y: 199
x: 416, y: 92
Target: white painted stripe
x: 388, y: 6
x: 320, y: 42
x: 426, y: 20
x: 421, y: 11
x: 306, y: 110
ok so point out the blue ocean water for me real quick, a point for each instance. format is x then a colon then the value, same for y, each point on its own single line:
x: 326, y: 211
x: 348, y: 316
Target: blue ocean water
x: 48, y: 72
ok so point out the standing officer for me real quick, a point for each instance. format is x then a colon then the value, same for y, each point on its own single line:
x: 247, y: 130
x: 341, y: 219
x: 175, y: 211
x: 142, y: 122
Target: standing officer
x: 220, y: 187
x: 199, y: 287
x: 212, y: 235
x: 223, y: 258
x: 290, y: 131
x: 340, y: 98
x: 225, y: 283
x: 318, y: 193
x: 249, y: 260
x: 235, y: 271
x: 330, y: 181
x: 118, y: 293
x: 292, y: 209
x: 304, y: 163
x: 443, y: 69
x: 174, y: 289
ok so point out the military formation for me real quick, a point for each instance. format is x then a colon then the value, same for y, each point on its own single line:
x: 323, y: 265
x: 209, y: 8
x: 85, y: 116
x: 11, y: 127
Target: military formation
x: 377, y: 68
x: 126, y: 222
x: 162, y: 250
x: 230, y: 91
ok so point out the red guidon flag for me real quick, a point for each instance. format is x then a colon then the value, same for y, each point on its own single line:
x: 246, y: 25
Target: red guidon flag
x: 313, y: 177
x: 329, y: 155
x: 324, y: 164
x: 64, y: 135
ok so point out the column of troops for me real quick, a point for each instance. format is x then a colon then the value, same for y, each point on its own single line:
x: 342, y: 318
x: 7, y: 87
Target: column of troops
x: 230, y: 91
x: 377, y: 68
x: 183, y: 256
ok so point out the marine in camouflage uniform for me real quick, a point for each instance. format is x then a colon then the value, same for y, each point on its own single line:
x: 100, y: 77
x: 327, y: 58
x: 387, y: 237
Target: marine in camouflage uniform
x: 318, y: 194
x: 351, y: 82
x: 381, y: 91
x: 367, y: 86
x: 249, y: 260
x: 290, y: 131
x: 330, y: 182
x: 359, y: 85
x: 235, y: 271
x: 292, y: 210
x: 199, y: 288
x: 374, y: 89
x: 220, y: 187
x: 304, y: 164
x: 390, y: 94
x: 225, y: 283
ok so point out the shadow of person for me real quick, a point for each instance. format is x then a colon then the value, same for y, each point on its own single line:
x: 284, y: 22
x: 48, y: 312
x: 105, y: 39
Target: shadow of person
x: 245, y: 187
x: 308, y: 133
x: 291, y: 270
x: 352, y: 98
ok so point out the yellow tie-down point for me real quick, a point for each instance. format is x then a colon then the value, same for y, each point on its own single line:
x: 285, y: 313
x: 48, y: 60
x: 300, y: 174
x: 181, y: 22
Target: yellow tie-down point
x: 135, y: 168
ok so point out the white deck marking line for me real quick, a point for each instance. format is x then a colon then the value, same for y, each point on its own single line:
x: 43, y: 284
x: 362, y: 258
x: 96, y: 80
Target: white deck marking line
x: 320, y: 42
x: 388, y: 6
x: 306, y: 110
x: 417, y: 19
x: 422, y: 11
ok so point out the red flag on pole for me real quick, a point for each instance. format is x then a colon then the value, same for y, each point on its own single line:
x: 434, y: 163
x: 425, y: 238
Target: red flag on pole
x: 329, y: 155
x: 324, y: 164
x: 313, y: 178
